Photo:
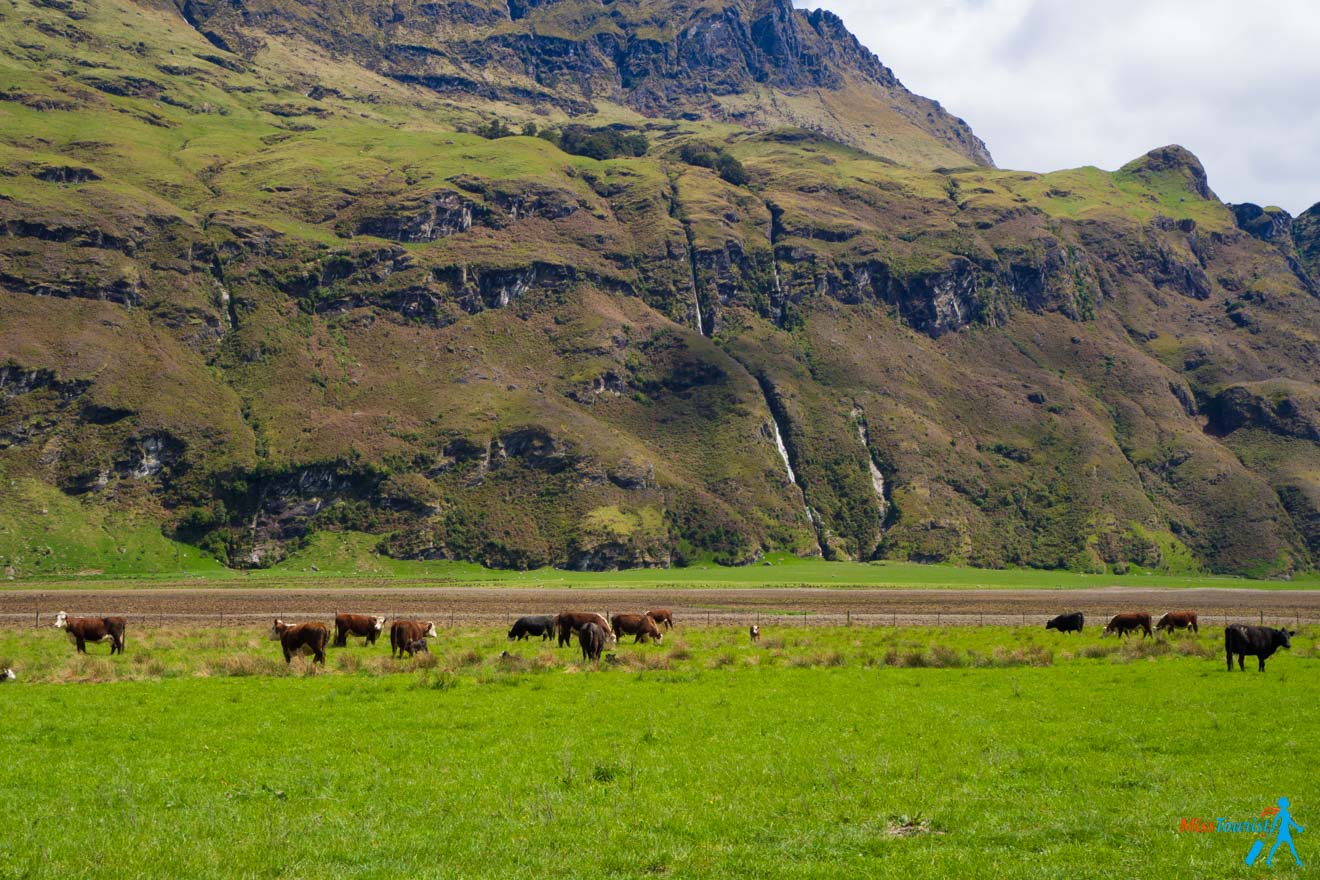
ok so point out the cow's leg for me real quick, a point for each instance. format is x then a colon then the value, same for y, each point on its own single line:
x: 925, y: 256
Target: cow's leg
x: 319, y: 657
x: 288, y: 655
x: 1242, y: 662
x: 1229, y: 656
x: 1261, y: 660
x: 81, y: 644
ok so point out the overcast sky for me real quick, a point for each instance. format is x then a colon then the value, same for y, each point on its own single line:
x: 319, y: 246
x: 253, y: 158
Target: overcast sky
x: 1051, y: 84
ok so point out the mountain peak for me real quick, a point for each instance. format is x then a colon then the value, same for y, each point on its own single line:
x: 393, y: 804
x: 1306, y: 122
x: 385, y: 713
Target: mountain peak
x: 1172, y: 161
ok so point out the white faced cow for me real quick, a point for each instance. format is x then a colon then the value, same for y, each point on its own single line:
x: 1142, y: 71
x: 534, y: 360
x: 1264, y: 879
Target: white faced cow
x: 82, y: 630
x: 7, y: 675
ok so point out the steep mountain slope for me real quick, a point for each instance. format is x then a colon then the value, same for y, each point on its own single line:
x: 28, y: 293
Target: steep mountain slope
x: 259, y: 278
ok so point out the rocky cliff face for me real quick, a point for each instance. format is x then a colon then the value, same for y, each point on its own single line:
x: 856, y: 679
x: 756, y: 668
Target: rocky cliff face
x: 287, y: 291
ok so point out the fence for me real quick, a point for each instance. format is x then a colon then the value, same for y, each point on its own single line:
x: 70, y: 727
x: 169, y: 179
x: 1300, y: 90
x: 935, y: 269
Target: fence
x: 690, y: 618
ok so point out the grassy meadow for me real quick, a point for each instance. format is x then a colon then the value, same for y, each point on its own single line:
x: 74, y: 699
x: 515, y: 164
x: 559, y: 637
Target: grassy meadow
x: 849, y: 752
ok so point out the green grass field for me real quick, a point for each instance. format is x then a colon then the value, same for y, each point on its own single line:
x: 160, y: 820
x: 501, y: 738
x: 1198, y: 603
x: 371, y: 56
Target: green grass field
x: 336, y: 556
x: 821, y: 753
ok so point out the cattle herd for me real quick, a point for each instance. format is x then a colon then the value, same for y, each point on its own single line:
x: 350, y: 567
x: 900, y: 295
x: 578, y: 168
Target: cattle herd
x: 594, y: 632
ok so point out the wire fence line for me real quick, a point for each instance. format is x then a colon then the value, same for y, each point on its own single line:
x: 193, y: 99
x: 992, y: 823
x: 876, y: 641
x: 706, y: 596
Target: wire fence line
x: 448, y: 618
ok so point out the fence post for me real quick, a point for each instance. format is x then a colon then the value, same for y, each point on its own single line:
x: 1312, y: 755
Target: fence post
x: 38, y: 618
x: 850, y: 617
x: 1262, y: 617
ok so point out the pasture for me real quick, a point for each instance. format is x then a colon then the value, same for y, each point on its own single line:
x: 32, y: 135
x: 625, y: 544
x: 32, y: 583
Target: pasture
x: 822, y: 752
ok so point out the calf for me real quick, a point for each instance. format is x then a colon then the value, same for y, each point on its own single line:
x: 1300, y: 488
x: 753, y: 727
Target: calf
x: 1127, y: 623
x: 640, y: 625
x: 1259, y: 641
x: 417, y: 646
x: 540, y: 625
x: 7, y: 675
x: 404, y: 632
x: 300, y: 638
x: 592, y: 639
x: 1178, y: 620
x: 1066, y: 623
x: 367, y: 626
x: 755, y: 633
x: 82, y: 630
x: 569, y: 622
x: 662, y: 615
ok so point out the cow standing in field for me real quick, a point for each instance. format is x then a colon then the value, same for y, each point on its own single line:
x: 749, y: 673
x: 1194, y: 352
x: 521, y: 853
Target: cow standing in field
x: 82, y: 630
x: 640, y: 625
x: 662, y: 616
x: 592, y: 639
x: 1128, y: 623
x: 1066, y: 623
x: 569, y: 622
x: 542, y: 625
x: 367, y: 626
x: 404, y: 632
x: 1259, y: 641
x: 1178, y: 620
x: 755, y: 633
x: 300, y: 638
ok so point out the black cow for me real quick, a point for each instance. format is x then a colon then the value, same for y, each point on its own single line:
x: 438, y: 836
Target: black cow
x: 592, y: 639
x: 1066, y: 623
x: 1259, y: 641
x: 542, y: 625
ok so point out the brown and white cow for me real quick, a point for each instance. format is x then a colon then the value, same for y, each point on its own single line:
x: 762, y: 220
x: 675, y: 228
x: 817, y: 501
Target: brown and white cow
x: 592, y: 639
x: 82, y: 630
x: 755, y: 633
x: 1178, y: 620
x: 301, y: 638
x: 1127, y: 623
x: 640, y: 625
x: 404, y: 632
x: 662, y: 616
x: 367, y: 626
x: 569, y: 622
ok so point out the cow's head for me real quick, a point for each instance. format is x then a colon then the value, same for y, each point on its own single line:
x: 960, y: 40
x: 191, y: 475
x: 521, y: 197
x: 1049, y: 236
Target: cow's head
x: 1285, y: 638
x: 278, y: 630
x: 658, y: 636
x: 61, y: 620
x: 430, y: 631
x: 1053, y: 624
x: 380, y: 624
x: 7, y: 674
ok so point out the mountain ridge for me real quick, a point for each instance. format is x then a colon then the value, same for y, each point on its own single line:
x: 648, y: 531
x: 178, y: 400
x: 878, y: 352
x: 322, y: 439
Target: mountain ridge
x: 263, y: 296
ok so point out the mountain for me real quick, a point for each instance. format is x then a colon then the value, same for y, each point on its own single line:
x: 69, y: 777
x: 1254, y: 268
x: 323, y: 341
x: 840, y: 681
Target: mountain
x: 605, y: 284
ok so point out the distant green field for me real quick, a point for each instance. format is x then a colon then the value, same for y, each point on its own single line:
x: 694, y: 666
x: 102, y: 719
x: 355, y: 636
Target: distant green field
x: 821, y: 753
x: 334, y: 556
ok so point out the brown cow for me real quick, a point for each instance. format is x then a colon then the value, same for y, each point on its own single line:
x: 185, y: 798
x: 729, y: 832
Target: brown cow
x: 569, y: 622
x: 1129, y: 622
x: 82, y: 630
x: 367, y: 626
x: 404, y: 632
x: 640, y: 625
x: 592, y: 639
x: 300, y: 638
x: 755, y: 633
x: 1178, y: 620
x: 662, y: 615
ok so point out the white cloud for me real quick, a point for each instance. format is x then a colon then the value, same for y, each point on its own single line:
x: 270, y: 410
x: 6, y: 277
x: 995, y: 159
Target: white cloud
x: 1060, y: 83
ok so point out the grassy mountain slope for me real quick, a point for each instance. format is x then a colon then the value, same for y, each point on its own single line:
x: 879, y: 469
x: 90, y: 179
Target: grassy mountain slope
x: 259, y: 292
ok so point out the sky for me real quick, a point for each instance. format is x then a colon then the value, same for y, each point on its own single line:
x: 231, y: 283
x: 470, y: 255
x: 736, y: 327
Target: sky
x: 1051, y: 84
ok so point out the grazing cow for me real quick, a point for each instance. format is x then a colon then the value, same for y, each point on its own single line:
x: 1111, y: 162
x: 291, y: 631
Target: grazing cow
x: 367, y: 626
x: 1127, y: 623
x: 755, y: 633
x: 542, y: 625
x: 640, y: 625
x: 417, y: 646
x: 569, y: 622
x: 1259, y: 641
x: 7, y: 674
x: 1178, y: 620
x: 662, y: 615
x: 1066, y: 623
x: 82, y: 630
x: 592, y: 639
x: 404, y: 632
x: 300, y: 638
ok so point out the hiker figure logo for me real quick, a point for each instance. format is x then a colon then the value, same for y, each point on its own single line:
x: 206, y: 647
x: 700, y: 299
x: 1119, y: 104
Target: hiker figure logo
x: 1283, y: 827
